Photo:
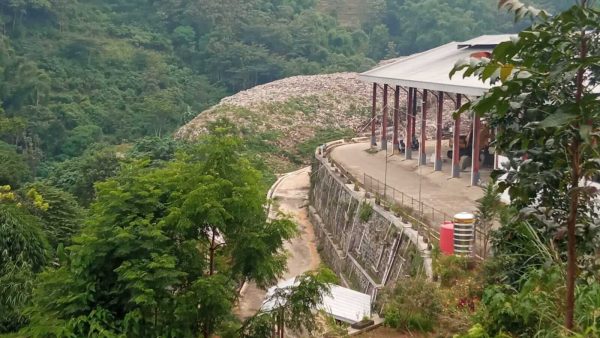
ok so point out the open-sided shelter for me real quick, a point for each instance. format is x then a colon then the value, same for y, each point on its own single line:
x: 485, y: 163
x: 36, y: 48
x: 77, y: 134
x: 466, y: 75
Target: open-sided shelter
x: 427, y: 73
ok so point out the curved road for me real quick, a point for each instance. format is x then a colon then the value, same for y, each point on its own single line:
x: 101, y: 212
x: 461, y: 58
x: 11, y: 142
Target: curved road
x: 290, y: 196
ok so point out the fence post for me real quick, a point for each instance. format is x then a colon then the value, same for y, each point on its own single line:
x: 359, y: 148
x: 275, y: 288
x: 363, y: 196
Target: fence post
x: 475, y: 247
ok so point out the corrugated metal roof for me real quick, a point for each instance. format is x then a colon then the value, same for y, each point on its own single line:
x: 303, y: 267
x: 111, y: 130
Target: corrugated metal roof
x: 347, y: 305
x: 343, y: 304
x: 430, y: 69
x: 486, y: 40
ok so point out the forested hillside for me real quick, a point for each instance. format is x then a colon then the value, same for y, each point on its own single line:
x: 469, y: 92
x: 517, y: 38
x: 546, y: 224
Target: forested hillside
x: 78, y: 73
x: 402, y: 27
x: 109, y: 226
x: 75, y: 74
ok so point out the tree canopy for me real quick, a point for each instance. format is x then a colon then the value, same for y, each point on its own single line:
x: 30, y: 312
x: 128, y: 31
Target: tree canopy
x: 77, y: 73
x: 109, y: 227
x: 164, y: 248
x: 547, y: 113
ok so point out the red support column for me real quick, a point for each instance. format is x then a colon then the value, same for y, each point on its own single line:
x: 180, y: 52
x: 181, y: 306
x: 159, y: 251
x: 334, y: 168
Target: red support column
x: 438, y: 132
x: 373, y: 116
x: 475, y: 156
x: 414, y: 114
x: 384, y: 118
x: 422, y: 145
x: 456, y: 141
x: 409, y: 135
x: 395, y: 141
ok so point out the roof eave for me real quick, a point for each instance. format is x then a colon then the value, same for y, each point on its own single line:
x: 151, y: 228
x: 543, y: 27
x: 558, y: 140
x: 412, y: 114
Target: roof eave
x: 449, y: 88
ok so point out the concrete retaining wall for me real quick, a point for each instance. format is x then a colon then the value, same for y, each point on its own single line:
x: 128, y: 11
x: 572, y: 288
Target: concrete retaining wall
x: 367, y: 254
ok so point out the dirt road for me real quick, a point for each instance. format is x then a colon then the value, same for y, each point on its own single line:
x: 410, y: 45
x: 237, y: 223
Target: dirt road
x: 290, y: 197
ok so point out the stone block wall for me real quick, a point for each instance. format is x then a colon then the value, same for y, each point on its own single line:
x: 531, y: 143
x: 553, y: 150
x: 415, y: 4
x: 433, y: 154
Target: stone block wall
x: 367, y: 254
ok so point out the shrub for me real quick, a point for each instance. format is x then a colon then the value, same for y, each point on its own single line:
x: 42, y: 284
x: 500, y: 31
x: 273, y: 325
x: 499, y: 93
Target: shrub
x: 587, y: 306
x: 365, y: 212
x: 535, y: 309
x: 414, y: 304
x: 392, y: 318
x: 306, y: 148
x: 449, y: 269
x: 401, y: 210
x: 532, y: 310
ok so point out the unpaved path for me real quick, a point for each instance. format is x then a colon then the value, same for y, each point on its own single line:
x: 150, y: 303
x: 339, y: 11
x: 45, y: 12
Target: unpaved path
x: 291, y: 197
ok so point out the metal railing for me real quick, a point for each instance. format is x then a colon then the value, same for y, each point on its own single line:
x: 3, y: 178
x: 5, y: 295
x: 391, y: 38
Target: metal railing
x: 425, y: 216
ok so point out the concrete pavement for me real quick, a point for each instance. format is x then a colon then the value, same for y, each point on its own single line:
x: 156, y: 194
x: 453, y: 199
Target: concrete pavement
x: 438, y: 190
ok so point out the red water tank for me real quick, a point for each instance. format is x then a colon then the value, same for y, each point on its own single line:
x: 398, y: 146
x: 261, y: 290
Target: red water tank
x: 447, y: 238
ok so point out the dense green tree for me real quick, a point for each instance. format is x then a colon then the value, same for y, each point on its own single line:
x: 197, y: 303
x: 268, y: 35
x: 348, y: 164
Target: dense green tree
x: 14, y: 170
x: 547, y: 114
x: 164, y: 247
x: 379, y: 39
x: 156, y: 149
x: 79, y: 138
x: 78, y: 175
x: 162, y: 111
x: 61, y: 217
x: 16, y: 284
x: 23, y: 252
x: 23, y: 241
x: 12, y: 129
x: 419, y: 25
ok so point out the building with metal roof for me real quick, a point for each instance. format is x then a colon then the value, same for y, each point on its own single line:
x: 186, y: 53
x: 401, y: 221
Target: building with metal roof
x: 430, y: 69
x: 424, y: 75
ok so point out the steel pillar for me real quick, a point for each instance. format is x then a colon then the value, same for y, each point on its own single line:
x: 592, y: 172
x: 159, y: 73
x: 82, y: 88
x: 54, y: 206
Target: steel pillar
x: 456, y: 141
x: 395, y: 142
x: 409, y: 135
x: 384, y: 118
x: 422, y: 145
x: 373, y: 115
x: 438, y: 133
x: 476, y: 145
